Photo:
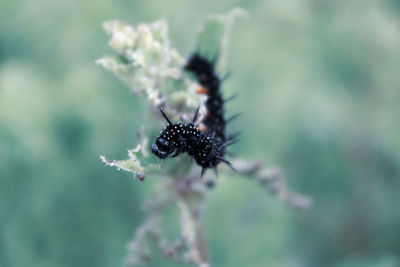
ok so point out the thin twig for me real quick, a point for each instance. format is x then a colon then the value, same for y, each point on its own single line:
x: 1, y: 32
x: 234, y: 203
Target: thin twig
x: 271, y: 178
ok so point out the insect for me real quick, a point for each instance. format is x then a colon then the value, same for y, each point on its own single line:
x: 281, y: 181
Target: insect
x: 208, y: 145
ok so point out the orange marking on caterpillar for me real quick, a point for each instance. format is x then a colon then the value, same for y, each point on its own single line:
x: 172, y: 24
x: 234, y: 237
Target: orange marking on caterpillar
x: 208, y: 113
x: 202, y: 127
x: 202, y: 91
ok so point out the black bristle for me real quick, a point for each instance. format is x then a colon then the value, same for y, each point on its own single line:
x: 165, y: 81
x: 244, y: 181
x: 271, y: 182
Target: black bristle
x: 195, y: 115
x: 165, y: 116
x: 226, y: 76
x: 231, y: 98
x: 230, y: 119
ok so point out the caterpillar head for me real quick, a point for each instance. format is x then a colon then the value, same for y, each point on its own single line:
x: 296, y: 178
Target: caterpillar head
x: 162, y: 148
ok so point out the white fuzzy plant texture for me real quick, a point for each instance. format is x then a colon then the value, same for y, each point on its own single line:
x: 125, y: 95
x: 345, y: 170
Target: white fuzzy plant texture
x: 152, y: 68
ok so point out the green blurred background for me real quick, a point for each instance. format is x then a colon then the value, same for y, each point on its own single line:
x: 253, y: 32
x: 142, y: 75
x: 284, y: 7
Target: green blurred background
x: 319, y: 92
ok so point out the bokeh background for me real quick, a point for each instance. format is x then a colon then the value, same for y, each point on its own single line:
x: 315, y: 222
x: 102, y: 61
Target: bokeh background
x: 319, y: 92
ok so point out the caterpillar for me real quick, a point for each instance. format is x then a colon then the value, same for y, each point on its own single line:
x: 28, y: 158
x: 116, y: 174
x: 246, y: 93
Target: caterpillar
x: 206, y: 143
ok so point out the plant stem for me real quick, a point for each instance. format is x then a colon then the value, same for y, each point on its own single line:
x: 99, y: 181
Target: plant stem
x: 191, y: 204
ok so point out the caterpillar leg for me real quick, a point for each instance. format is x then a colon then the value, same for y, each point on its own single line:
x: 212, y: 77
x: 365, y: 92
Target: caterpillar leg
x: 203, y: 171
x: 176, y: 153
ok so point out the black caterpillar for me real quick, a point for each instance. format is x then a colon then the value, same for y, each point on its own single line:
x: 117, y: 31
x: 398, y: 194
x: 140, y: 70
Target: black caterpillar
x: 207, y: 146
